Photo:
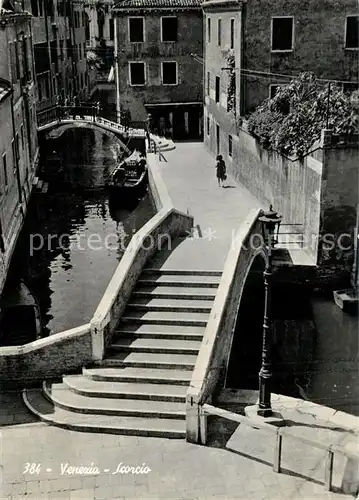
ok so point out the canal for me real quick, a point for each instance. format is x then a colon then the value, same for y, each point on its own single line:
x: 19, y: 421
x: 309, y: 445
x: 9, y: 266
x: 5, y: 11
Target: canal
x: 74, y: 236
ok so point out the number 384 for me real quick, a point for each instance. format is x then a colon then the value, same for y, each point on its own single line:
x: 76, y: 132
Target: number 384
x: 32, y: 468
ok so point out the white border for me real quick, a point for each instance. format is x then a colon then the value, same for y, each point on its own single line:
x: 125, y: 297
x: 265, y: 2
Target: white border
x: 345, y: 32
x: 169, y: 84
x: 143, y: 28
x: 271, y: 34
x: 129, y: 74
x: 168, y: 41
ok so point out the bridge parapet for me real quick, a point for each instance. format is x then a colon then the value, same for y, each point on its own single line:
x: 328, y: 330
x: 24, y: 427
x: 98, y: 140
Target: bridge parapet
x: 84, y: 115
x: 213, y: 357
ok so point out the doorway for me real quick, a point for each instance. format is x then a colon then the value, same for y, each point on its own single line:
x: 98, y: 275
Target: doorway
x: 217, y: 139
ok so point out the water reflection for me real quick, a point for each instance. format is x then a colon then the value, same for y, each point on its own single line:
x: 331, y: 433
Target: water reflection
x: 73, y: 238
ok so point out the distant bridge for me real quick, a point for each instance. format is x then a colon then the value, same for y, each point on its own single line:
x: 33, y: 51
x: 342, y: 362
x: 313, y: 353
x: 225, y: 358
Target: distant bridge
x: 84, y: 117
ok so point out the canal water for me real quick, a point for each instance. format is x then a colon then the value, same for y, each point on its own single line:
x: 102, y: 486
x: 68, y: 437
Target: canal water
x: 74, y: 236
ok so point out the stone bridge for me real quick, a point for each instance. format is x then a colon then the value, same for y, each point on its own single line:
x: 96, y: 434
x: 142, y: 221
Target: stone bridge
x: 53, y: 124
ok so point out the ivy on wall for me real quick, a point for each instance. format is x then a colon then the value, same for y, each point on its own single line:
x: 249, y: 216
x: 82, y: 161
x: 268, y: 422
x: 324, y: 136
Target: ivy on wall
x: 292, y: 120
x: 231, y: 92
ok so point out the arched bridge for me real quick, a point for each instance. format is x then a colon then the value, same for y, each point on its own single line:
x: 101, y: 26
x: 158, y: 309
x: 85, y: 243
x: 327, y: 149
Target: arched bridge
x: 246, y: 257
x: 86, y: 117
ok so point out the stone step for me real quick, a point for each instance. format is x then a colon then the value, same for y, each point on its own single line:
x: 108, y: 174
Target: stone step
x: 166, y: 318
x: 164, y: 346
x: 148, y: 360
x: 179, y: 272
x: 176, y: 305
x: 107, y: 424
x: 173, y: 301
x: 64, y: 398
x: 179, y: 281
x: 98, y: 389
x: 166, y: 292
x: 153, y: 328
x: 145, y: 375
x: 156, y: 334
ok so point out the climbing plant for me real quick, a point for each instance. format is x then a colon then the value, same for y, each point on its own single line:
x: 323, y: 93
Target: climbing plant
x: 292, y: 120
x: 231, y: 92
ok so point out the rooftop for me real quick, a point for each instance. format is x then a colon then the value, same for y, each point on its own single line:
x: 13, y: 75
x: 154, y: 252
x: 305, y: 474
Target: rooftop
x: 157, y: 4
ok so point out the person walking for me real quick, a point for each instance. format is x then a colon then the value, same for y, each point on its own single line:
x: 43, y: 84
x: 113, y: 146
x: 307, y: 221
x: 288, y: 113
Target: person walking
x: 221, y: 170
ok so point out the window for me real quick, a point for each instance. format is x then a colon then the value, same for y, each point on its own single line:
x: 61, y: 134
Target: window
x: 4, y: 166
x: 230, y: 146
x: 217, y: 88
x: 284, y: 105
x: 34, y: 8
x: 219, y: 32
x: 232, y: 34
x: 136, y: 29
x: 352, y: 32
x: 209, y: 30
x: 282, y: 33
x: 208, y: 125
x: 137, y: 73
x: 169, y: 73
x: 169, y: 29
x: 112, y: 30
x: 208, y: 82
x: 273, y: 90
x: 22, y: 136
x: 17, y: 150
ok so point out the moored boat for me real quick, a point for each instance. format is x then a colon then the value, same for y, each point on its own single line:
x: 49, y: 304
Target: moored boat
x: 130, y: 178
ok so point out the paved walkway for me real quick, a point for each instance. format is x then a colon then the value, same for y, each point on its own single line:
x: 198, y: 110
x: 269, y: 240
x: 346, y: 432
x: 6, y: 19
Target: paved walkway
x: 179, y: 470
x: 226, y: 469
x: 190, y: 177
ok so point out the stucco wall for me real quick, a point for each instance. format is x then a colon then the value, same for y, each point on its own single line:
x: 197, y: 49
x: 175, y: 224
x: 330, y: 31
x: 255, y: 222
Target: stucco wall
x: 339, y: 196
x: 153, y: 52
x: 319, y: 31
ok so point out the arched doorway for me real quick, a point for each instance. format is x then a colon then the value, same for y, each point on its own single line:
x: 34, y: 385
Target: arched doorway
x: 245, y: 356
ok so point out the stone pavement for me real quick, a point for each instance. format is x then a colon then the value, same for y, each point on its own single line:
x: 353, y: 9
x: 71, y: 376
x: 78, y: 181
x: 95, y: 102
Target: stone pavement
x: 190, y: 177
x: 179, y: 470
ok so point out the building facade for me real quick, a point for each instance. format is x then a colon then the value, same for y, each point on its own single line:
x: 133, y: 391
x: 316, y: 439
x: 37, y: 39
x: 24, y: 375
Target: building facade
x: 59, y: 30
x: 254, y: 46
x: 18, y: 135
x: 101, y: 35
x: 156, y: 69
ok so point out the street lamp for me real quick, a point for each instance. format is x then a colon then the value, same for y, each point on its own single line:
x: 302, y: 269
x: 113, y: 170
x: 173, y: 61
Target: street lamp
x: 270, y: 228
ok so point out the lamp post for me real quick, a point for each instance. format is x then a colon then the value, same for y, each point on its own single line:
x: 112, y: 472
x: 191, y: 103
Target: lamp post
x: 270, y: 227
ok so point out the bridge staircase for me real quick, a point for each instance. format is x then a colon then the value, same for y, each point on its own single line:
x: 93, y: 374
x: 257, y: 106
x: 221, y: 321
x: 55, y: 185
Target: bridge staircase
x: 140, y: 386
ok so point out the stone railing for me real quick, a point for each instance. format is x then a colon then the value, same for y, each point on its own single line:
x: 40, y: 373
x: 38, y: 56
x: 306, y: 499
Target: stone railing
x: 59, y: 115
x: 48, y: 357
x: 279, y: 433
x: 154, y: 236
x: 68, y: 351
x: 213, y: 357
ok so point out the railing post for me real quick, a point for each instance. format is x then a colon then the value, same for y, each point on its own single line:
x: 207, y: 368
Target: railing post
x: 329, y: 469
x: 202, y: 425
x: 278, y: 452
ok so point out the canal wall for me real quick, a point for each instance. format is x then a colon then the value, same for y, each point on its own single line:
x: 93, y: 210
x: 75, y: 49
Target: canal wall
x: 318, y: 194
x: 69, y: 351
x: 50, y: 357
